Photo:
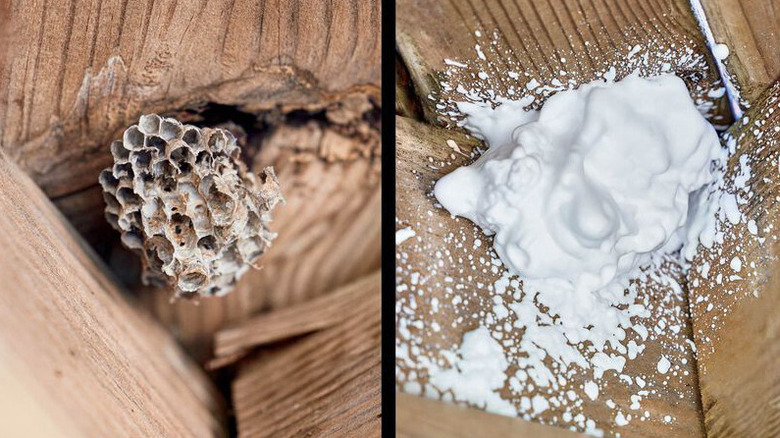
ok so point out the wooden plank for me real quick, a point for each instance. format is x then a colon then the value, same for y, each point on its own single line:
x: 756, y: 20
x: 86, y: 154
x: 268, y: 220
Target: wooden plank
x: 751, y: 30
x: 93, y: 363
x: 417, y: 417
x: 327, y: 384
x: 83, y: 71
x: 524, y: 40
x: 309, y: 316
x: 424, y: 277
x: 735, y: 319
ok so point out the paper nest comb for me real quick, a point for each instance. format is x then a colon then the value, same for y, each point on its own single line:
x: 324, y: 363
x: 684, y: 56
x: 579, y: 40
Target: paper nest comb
x: 184, y: 200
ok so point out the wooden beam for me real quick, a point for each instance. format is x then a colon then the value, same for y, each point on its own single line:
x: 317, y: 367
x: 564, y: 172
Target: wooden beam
x: 418, y: 417
x: 96, y: 365
x: 81, y: 72
x: 735, y: 311
x: 326, y: 384
x: 544, y: 38
x: 751, y: 30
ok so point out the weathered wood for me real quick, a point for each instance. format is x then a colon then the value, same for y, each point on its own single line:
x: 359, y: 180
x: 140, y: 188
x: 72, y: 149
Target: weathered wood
x: 751, y: 30
x: 543, y: 39
x: 735, y: 319
x: 327, y: 384
x: 423, y: 156
x: 81, y: 72
x: 309, y: 316
x: 96, y: 365
x: 418, y: 417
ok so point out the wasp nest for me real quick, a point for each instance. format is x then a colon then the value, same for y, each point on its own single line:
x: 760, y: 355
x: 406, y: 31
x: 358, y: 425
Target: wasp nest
x: 183, y: 199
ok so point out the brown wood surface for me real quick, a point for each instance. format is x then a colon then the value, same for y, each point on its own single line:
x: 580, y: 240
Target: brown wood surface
x: 327, y: 385
x: 418, y: 417
x: 542, y: 38
x: 751, y: 30
x: 735, y: 319
x: 309, y: 316
x: 422, y: 158
x: 80, y: 72
x: 94, y: 364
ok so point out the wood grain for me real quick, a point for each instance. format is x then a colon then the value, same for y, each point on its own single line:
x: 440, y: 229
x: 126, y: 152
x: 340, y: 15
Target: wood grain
x: 735, y: 319
x: 418, y: 417
x: 96, y: 365
x: 309, y: 316
x: 751, y: 30
x: 5, y: 34
x: 326, y: 385
x: 83, y: 71
x: 424, y: 276
x: 541, y: 39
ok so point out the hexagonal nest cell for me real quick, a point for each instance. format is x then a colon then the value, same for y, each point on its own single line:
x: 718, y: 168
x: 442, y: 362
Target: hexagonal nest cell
x: 183, y: 199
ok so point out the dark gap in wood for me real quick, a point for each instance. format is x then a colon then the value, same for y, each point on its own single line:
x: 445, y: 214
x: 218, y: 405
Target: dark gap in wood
x: 223, y: 379
x: 249, y: 128
x: 407, y: 101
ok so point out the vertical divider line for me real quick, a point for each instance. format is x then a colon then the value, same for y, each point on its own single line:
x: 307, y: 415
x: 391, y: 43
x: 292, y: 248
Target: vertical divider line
x: 388, y: 218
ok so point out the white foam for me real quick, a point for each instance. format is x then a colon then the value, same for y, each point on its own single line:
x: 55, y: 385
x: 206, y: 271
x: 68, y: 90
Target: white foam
x: 584, y: 191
